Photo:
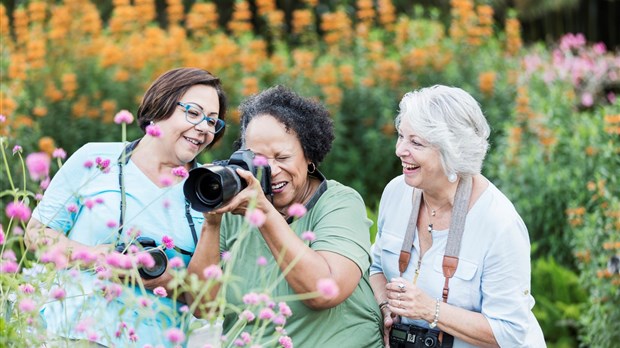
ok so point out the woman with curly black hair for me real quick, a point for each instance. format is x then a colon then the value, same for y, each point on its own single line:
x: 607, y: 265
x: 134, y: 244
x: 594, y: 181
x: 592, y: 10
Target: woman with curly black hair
x: 314, y: 230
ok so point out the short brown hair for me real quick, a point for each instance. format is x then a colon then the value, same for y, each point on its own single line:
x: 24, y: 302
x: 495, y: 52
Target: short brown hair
x: 162, y: 96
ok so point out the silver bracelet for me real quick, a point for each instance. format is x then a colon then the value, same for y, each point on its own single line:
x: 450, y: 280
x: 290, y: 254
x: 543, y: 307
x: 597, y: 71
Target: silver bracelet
x: 436, y: 318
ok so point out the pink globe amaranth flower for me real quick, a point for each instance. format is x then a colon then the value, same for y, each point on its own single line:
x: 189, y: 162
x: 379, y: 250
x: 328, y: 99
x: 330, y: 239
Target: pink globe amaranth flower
x: 176, y: 262
x: 72, y: 208
x: 58, y: 293
x: 266, y: 314
x: 175, y: 335
x: 160, y: 291
x: 123, y: 116
x: 99, y: 200
x: 297, y: 210
x: 239, y: 342
x: 279, y: 320
x: 587, y: 100
x: 226, y: 255
x: 2, y: 236
x: 261, y: 261
x: 18, y: 231
x: 17, y: 149
x: 255, y: 217
x: 2, y: 118
x: 103, y: 164
x: 212, y: 272
x: 38, y: 164
x: 285, y: 342
x: 246, y: 337
x: 84, y: 255
x: 247, y: 315
x: 45, y: 183
x: 328, y: 288
x: 251, y: 298
x: 184, y: 309
x: 180, y: 171
x: 38, y: 197
x: 59, y: 153
x: 27, y: 305
x: 88, y: 164
x: 168, y: 242
x: 9, y: 266
x: 153, y: 130
x: 89, y: 203
x: 18, y: 210
x: 145, y: 302
x: 83, y: 325
x: 92, y: 336
x: 145, y: 259
x: 260, y: 161
x: 284, y: 309
x: 166, y: 180
x: 111, y: 224
x: 112, y: 291
x: 308, y: 236
x: 9, y: 254
x: 26, y: 288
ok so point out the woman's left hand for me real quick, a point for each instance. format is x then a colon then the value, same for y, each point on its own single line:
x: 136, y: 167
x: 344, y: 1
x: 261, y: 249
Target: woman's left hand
x: 407, y: 300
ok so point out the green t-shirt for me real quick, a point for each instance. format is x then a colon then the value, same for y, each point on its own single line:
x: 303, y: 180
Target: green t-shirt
x: 339, y: 222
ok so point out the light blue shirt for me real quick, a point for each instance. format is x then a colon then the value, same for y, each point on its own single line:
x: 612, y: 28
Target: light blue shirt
x: 152, y: 210
x: 493, y: 274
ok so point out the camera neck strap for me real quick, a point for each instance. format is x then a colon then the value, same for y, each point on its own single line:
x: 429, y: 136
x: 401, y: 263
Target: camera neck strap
x: 457, y: 226
x: 123, y: 159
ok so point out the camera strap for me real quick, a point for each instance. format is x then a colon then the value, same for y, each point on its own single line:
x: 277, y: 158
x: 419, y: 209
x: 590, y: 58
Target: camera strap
x: 455, y: 234
x: 123, y: 159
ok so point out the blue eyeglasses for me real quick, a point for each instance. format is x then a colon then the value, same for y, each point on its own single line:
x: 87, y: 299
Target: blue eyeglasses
x: 194, y: 115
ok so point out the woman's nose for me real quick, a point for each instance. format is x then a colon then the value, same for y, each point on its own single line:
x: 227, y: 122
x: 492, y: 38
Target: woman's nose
x: 401, y: 150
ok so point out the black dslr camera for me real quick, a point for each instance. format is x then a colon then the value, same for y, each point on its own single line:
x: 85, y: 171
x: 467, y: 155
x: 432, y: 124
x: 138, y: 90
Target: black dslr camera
x: 211, y: 186
x: 148, y: 245
x: 413, y: 336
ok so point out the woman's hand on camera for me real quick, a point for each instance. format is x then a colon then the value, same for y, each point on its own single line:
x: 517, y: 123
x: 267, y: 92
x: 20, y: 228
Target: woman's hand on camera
x: 389, y: 319
x: 407, y: 300
x: 239, y: 203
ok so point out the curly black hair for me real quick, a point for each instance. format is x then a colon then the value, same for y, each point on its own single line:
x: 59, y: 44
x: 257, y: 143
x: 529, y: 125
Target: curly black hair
x: 308, y: 118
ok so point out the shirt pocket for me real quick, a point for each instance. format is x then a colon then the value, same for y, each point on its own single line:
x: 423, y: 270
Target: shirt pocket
x: 462, y: 284
x: 390, y: 253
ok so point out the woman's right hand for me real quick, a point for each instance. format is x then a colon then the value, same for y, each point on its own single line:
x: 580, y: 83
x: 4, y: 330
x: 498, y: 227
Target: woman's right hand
x: 389, y: 319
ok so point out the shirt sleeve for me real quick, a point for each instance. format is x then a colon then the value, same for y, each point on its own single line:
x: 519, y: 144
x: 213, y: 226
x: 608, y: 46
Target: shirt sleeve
x: 505, y: 284
x: 342, y: 226
x: 63, y: 191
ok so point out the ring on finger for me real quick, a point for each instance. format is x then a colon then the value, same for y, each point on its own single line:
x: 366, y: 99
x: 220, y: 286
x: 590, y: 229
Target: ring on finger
x: 401, y: 286
x: 398, y: 296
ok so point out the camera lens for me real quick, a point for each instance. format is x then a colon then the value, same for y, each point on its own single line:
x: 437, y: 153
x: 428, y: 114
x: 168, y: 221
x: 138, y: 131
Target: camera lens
x: 429, y: 341
x: 209, y: 189
x: 159, y: 267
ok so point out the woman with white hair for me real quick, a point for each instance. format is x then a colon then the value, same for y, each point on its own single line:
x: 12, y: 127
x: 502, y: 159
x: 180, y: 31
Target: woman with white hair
x: 451, y: 263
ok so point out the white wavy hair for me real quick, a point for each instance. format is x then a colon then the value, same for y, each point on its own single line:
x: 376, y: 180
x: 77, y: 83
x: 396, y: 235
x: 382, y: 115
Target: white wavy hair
x: 451, y: 120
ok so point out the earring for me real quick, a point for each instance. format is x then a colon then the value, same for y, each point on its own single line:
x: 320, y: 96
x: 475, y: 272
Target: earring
x: 452, y: 177
x: 151, y: 123
x: 311, y: 168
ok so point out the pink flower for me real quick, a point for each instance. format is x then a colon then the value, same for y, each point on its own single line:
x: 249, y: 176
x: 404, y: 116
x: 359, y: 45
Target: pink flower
x: 59, y: 153
x: 26, y: 288
x: 27, y: 305
x: 2, y: 118
x: 18, y: 231
x: 88, y: 164
x: 18, y: 210
x: 2, y: 236
x: 247, y: 315
x: 328, y: 288
x: 123, y: 116
x: 297, y: 210
x: 17, y: 149
x: 145, y: 259
x: 112, y: 291
x: 266, y: 314
x: 89, y: 203
x: 92, y: 336
x: 261, y: 261
x: 38, y: 196
x: 145, y: 302
x: 176, y: 262
x: 246, y: 337
x: 166, y: 180
x: 285, y: 341
x: 587, y: 100
x: 103, y: 164
x: 83, y: 325
x: 260, y: 161
x: 180, y: 171
x: 111, y: 223
x: 160, y: 291
x: 251, y: 298
x: 58, y: 293
x: 225, y: 255
x: 168, y: 242
x: 153, y: 130
x: 9, y: 266
x: 212, y: 272
x: 45, y: 183
x: 256, y: 217
x: 285, y: 310
x: 175, y: 335
x: 308, y: 236
x: 9, y: 254
x: 38, y: 164
x: 184, y: 309
x: 72, y: 208
x: 611, y: 97
x: 99, y: 200
x: 84, y: 255
x: 279, y: 320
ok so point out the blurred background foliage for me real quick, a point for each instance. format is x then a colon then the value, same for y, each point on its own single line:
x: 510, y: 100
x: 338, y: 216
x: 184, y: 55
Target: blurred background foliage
x: 69, y: 66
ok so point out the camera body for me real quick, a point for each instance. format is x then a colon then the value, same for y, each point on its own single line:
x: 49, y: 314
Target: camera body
x: 413, y: 336
x: 211, y: 186
x: 148, y: 245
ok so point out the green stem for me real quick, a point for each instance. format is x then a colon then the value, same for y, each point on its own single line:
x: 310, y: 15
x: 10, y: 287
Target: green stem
x: 6, y: 163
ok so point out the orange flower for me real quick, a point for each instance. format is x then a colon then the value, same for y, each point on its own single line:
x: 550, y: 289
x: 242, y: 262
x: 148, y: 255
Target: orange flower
x: 250, y: 86
x: 513, y: 36
x: 302, y: 19
x: 175, y: 11
x: 7, y: 105
x: 39, y: 111
x: 47, y: 145
x: 486, y: 82
x: 387, y: 14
